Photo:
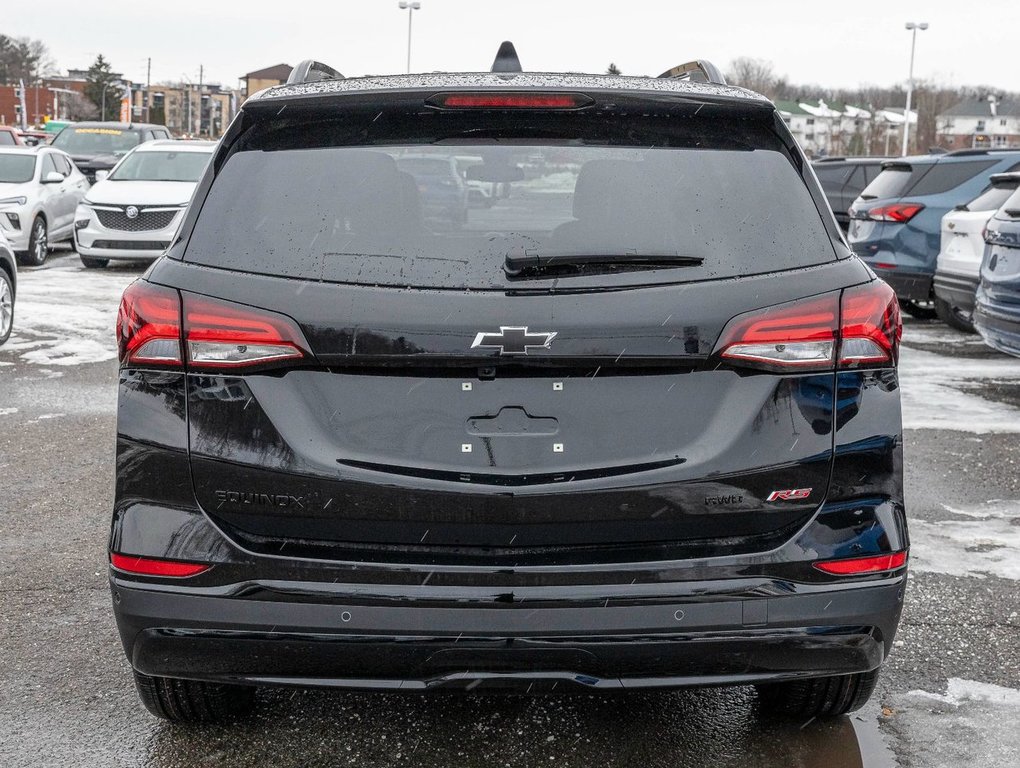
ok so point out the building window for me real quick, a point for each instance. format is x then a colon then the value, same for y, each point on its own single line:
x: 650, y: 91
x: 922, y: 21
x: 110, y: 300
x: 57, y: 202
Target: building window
x: 1002, y: 122
x: 810, y: 121
x: 1000, y: 141
x: 980, y: 126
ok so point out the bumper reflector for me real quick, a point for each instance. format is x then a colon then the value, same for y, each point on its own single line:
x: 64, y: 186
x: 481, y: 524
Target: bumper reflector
x: 857, y: 565
x: 148, y: 566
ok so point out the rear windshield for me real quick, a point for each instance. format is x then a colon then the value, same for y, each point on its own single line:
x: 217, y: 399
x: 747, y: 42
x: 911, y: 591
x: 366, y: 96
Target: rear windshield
x: 992, y: 198
x: 447, y: 214
x: 97, y: 141
x: 7, y: 138
x: 162, y: 166
x: 892, y: 182
x: 16, y: 169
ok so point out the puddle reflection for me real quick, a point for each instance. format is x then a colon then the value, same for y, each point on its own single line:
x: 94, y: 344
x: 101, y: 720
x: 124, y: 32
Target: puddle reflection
x: 716, y: 727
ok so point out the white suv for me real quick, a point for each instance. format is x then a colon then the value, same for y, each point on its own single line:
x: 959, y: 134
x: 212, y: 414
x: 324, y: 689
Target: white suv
x: 963, y: 244
x: 134, y: 212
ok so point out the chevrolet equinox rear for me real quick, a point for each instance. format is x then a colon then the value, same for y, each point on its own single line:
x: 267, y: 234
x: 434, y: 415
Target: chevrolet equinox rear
x: 635, y: 425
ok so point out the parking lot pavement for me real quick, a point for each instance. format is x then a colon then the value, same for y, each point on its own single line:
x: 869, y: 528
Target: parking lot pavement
x: 950, y: 694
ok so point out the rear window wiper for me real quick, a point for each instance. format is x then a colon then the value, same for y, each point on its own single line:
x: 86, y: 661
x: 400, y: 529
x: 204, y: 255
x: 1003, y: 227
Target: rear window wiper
x: 517, y: 263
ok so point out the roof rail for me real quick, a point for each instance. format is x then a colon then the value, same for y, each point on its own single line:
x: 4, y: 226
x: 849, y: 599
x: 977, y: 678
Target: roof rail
x: 506, y: 59
x: 699, y: 71
x: 311, y: 71
x: 978, y: 152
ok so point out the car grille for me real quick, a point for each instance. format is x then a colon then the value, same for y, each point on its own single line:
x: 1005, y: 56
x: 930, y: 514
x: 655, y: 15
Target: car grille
x: 145, y: 220
x: 132, y: 245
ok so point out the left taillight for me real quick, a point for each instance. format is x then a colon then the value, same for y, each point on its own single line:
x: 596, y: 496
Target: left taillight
x: 898, y: 213
x: 219, y: 334
x: 149, y: 325
x: 158, y: 326
x: 860, y: 326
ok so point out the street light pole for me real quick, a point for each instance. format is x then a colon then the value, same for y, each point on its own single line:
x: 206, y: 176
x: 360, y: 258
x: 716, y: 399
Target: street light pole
x: 411, y: 7
x: 912, y: 27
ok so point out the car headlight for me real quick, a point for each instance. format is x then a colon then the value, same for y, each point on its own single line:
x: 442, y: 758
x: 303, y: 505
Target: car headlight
x: 14, y: 201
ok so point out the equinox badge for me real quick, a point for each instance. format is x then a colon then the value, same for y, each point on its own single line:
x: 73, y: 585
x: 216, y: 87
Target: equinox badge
x: 513, y: 340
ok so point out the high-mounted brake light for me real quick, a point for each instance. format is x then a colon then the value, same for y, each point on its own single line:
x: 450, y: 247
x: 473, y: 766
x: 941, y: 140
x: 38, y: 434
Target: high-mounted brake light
x: 150, y: 566
x: 509, y: 100
x: 157, y: 326
x: 149, y: 325
x: 900, y: 213
x: 864, y: 326
x: 853, y: 566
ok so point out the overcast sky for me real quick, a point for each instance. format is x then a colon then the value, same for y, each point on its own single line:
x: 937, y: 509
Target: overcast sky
x: 838, y: 44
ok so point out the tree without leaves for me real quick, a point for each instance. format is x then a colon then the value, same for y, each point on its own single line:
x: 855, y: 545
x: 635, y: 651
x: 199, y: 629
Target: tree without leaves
x: 23, y: 59
x: 756, y: 75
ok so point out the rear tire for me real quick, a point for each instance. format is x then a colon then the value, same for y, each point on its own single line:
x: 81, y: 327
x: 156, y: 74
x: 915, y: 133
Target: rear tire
x: 193, y: 701
x: 6, y: 306
x: 90, y: 263
x: 820, y: 696
x: 38, y: 245
x: 922, y: 310
x: 953, y: 317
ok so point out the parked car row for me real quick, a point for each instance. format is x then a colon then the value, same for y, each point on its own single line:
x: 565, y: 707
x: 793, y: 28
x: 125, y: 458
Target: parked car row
x: 936, y: 227
x: 131, y: 211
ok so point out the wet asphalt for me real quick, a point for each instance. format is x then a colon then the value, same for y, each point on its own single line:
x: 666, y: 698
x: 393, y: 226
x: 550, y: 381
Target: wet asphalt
x: 66, y: 696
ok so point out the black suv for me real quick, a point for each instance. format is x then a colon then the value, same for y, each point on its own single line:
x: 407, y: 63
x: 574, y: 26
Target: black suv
x: 843, y: 179
x: 99, y: 146
x: 636, y: 424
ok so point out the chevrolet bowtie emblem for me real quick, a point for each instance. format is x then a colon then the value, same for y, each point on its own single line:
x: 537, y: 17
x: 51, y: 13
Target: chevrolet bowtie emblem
x: 513, y: 340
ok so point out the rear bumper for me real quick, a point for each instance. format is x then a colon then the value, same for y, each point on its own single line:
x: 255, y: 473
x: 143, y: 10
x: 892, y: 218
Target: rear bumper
x: 909, y: 286
x: 957, y: 290
x: 999, y: 330
x: 658, y: 642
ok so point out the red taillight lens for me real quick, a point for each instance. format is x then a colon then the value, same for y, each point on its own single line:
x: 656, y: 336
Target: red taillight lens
x: 216, y: 334
x: 504, y: 100
x: 871, y: 325
x: 149, y: 325
x: 857, y: 565
x: 148, y: 566
x: 219, y: 334
x: 899, y: 213
x: 803, y: 335
x: 800, y: 334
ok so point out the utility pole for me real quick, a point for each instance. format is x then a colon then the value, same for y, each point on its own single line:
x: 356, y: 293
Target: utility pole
x: 912, y: 28
x: 410, y: 7
x: 148, y: 84
x: 201, y: 71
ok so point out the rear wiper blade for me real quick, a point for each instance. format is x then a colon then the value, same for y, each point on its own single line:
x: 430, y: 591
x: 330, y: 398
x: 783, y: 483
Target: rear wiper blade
x: 517, y: 263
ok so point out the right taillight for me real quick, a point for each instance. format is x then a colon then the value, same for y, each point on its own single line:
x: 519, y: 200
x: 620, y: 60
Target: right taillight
x: 870, y: 326
x: 861, y: 327
x: 159, y: 326
x: 899, y: 213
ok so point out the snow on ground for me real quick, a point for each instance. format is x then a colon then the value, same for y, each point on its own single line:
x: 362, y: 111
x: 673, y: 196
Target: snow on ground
x: 986, y: 544
x: 937, y: 391
x: 973, y: 724
x: 65, y: 315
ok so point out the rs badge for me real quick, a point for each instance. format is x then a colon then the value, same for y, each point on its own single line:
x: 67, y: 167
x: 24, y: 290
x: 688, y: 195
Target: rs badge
x: 791, y: 494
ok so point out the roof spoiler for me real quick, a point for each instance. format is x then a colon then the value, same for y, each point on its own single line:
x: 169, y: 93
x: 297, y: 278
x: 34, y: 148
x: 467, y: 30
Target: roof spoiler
x: 1008, y: 179
x: 699, y: 71
x: 311, y: 71
x: 506, y: 59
